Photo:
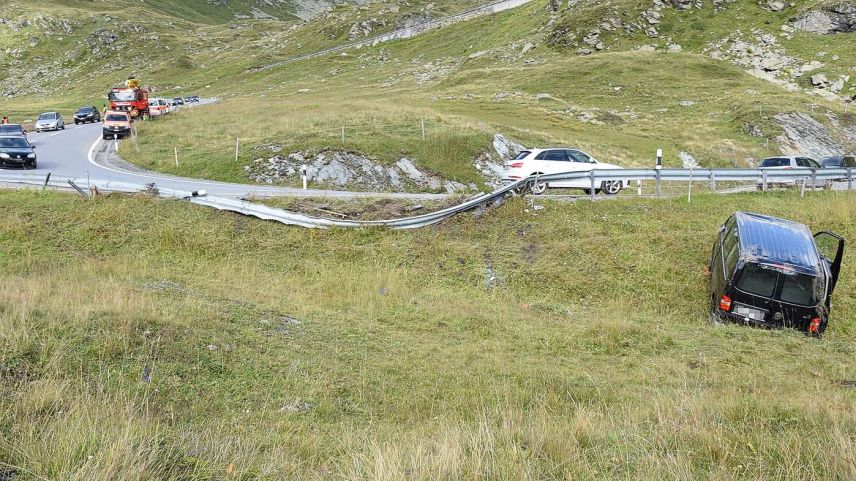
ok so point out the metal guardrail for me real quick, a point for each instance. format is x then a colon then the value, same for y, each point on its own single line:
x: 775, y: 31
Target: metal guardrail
x: 402, y: 33
x: 761, y: 177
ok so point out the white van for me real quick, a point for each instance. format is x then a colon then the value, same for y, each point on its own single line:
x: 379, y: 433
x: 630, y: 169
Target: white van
x: 158, y: 107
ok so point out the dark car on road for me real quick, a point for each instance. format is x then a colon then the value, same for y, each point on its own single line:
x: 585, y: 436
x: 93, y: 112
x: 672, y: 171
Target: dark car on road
x: 13, y: 130
x: 17, y: 152
x: 771, y: 272
x: 178, y: 101
x: 87, y: 114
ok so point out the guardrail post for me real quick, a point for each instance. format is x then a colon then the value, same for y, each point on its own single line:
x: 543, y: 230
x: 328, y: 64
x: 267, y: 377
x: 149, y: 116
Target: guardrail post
x: 764, y: 181
x: 690, y: 189
x: 850, y: 178
x: 712, y: 182
x: 813, y: 179
x: 591, y: 178
x: 802, y: 189
x: 659, y: 183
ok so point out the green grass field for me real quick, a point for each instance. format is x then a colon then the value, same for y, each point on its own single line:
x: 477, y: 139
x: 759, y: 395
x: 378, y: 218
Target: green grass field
x: 154, y: 340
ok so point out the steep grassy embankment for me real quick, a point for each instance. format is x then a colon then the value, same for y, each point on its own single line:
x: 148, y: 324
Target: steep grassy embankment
x: 152, y: 340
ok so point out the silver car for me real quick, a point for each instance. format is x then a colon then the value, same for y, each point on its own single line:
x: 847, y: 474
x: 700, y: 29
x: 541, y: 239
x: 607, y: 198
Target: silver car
x: 49, y: 121
x: 788, y: 162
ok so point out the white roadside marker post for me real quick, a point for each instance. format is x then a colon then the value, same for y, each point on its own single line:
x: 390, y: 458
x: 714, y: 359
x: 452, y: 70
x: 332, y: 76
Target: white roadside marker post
x: 659, y: 167
x: 303, y: 174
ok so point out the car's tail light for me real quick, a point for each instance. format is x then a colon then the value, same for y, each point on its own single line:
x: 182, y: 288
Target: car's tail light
x: 725, y: 303
x: 516, y: 165
x: 814, y: 327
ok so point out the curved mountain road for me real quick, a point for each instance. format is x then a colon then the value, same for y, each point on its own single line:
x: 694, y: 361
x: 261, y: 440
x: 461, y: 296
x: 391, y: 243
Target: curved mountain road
x: 80, y: 152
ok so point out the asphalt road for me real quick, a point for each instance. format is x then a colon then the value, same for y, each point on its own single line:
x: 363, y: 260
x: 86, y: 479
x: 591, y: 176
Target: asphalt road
x: 80, y: 152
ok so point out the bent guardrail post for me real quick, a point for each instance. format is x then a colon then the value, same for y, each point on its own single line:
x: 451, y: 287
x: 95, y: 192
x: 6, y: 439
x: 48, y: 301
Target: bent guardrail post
x: 78, y: 189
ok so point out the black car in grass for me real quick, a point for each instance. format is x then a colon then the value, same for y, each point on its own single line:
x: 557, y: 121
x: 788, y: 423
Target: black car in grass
x: 87, y: 114
x: 17, y: 153
x: 771, y: 272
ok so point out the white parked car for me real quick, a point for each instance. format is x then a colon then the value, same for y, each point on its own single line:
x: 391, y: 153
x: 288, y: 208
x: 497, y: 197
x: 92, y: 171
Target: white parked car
x: 558, y: 161
x: 787, y: 163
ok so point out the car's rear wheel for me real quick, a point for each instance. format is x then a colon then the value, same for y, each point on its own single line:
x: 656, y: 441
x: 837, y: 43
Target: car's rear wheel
x: 612, y: 187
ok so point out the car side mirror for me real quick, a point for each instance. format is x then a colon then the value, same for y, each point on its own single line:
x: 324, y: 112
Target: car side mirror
x: 33, y: 147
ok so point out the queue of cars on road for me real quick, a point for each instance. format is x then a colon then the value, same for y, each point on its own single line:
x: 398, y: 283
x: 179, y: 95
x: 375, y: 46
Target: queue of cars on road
x: 16, y: 150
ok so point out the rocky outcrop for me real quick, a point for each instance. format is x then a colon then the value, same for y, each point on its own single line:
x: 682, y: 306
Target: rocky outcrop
x: 802, y: 135
x: 343, y: 169
x: 839, y: 18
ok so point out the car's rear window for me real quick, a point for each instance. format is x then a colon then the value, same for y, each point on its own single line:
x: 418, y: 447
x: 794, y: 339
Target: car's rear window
x: 832, y: 162
x: 117, y: 118
x: 522, y: 155
x: 11, y: 128
x: 776, y: 162
x: 800, y: 289
x: 758, y: 280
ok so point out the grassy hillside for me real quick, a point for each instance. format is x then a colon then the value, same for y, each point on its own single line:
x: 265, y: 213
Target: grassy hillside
x: 203, y: 11
x: 153, y: 340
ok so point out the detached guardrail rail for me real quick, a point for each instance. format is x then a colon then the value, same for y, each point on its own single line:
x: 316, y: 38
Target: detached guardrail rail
x: 762, y: 178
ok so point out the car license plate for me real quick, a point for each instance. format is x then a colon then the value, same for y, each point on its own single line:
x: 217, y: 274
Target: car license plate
x: 750, y: 312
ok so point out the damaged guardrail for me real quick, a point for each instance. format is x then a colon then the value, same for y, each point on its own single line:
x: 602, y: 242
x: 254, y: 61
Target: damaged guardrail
x: 762, y: 178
